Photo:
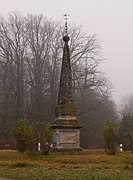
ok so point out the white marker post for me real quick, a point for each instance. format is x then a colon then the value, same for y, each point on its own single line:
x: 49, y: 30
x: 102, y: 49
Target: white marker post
x: 39, y: 146
x: 121, y: 149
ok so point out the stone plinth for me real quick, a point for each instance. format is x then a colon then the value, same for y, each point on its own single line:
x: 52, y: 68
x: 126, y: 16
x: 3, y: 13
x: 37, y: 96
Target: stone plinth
x: 66, y: 139
x: 66, y: 134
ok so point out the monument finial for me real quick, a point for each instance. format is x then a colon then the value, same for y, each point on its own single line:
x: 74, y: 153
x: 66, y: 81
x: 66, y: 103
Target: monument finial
x: 66, y: 37
x: 66, y: 20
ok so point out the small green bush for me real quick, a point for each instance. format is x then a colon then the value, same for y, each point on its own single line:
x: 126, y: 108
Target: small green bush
x: 28, y: 136
x: 110, y: 137
x: 23, y: 133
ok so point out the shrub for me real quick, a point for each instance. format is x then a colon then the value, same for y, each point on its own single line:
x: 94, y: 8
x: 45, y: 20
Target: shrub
x: 28, y: 136
x: 110, y: 137
x: 24, y: 134
x: 44, y: 135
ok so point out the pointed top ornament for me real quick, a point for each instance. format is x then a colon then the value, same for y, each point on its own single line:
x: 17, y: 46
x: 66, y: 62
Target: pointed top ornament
x: 66, y: 21
x: 66, y: 37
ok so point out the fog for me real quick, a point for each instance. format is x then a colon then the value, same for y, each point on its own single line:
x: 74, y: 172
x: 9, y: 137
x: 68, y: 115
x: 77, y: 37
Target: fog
x: 111, y: 20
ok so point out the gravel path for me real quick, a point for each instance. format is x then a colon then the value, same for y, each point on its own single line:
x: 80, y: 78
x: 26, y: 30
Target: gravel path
x: 4, y: 178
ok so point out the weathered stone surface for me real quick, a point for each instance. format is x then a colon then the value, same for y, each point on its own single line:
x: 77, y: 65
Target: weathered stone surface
x: 66, y: 120
x: 67, y: 139
x: 65, y: 107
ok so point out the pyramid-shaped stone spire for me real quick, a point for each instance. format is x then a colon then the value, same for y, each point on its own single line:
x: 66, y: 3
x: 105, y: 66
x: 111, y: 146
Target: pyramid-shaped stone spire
x: 65, y: 92
x: 65, y: 106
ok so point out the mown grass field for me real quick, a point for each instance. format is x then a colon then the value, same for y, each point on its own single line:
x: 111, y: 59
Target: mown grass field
x: 84, y: 165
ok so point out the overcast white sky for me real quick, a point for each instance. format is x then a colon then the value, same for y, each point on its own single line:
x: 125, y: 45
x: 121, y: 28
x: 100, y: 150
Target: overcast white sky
x: 111, y: 20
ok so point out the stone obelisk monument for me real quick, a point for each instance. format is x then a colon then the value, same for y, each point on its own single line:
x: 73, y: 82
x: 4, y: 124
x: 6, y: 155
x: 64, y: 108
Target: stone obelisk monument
x: 66, y: 127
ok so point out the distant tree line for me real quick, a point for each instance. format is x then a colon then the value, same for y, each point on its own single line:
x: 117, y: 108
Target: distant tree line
x: 126, y: 105
x: 118, y: 135
x: 125, y: 135
x: 31, y: 49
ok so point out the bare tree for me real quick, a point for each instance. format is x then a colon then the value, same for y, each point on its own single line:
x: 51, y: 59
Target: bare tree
x: 43, y: 64
x: 13, y: 52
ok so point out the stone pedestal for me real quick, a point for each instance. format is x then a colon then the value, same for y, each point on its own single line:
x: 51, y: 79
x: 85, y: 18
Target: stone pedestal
x: 66, y: 134
x: 66, y: 138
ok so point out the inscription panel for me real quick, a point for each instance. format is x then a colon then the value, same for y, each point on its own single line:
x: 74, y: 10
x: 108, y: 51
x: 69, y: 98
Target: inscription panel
x: 71, y: 137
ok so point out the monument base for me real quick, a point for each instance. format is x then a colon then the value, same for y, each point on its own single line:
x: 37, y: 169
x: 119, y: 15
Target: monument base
x: 66, y: 138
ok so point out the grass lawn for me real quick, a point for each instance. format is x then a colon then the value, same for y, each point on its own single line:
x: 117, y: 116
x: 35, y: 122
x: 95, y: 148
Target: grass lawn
x: 84, y: 165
